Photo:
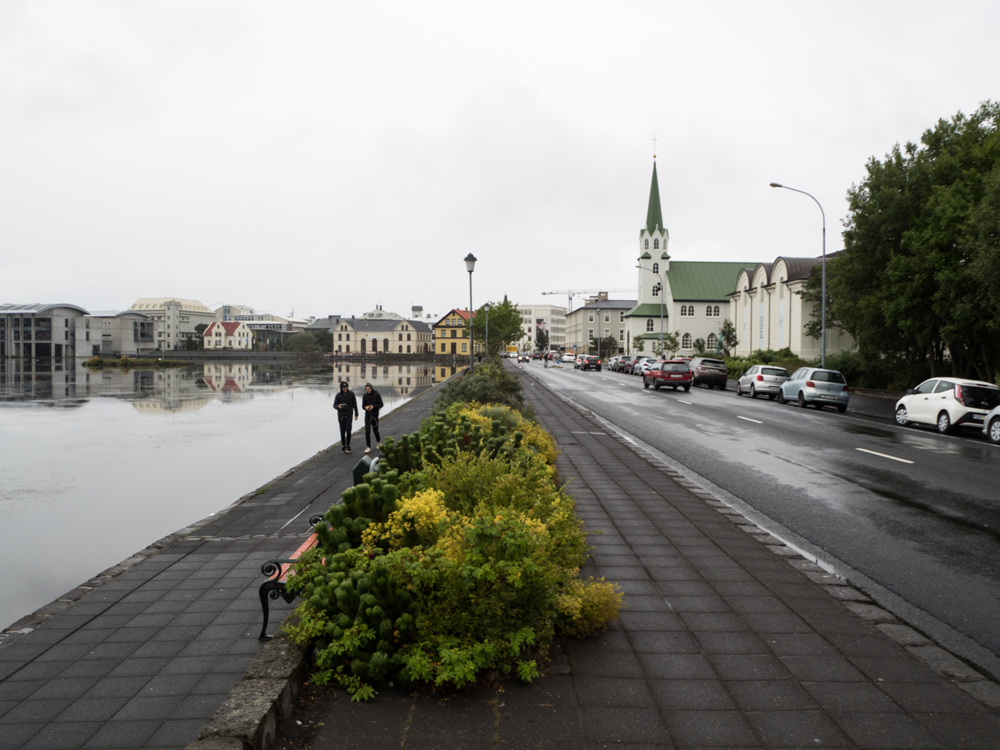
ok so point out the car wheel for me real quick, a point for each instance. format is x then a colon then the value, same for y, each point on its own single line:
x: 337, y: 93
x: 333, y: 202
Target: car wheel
x: 723, y: 386
x: 656, y: 386
x: 771, y: 397
x: 645, y: 384
x: 781, y: 397
x: 753, y: 392
x: 841, y: 408
x: 598, y: 369
x: 802, y: 401
x: 687, y: 388
x: 994, y: 431
x: 901, y: 417
x: 739, y: 389
x: 944, y: 423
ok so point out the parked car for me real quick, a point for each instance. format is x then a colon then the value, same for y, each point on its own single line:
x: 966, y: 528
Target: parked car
x: 623, y: 362
x: 815, y: 386
x: 644, y: 365
x: 948, y: 403
x: 674, y: 373
x: 710, y: 372
x: 991, y: 425
x: 588, y: 362
x: 611, y: 362
x: 763, y: 380
x: 633, y: 367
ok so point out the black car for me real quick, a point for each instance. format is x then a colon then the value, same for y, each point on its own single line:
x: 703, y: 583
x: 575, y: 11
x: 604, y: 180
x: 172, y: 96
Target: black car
x: 588, y: 362
x: 710, y: 372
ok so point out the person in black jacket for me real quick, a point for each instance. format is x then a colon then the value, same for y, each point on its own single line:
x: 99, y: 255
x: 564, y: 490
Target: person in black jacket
x: 345, y: 402
x: 371, y: 402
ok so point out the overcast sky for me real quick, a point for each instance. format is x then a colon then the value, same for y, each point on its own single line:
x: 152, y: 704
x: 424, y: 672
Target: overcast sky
x: 329, y: 157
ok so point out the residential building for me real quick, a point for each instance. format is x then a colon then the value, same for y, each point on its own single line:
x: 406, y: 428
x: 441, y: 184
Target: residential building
x: 548, y: 318
x: 598, y: 318
x: 269, y: 330
x: 38, y: 330
x: 115, y: 333
x: 176, y: 318
x: 451, y: 334
x: 769, y: 311
x: 232, y: 335
x: 381, y: 336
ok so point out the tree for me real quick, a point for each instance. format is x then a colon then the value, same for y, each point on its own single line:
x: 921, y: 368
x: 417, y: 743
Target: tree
x: 324, y: 339
x: 727, y: 337
x: 699, y: 345
x: 301, y: 342
x: 920, y: 249
x: 671, y: 343
x: 638, y: 344
x: 541, y: 340
x: 608, y: 346
x: 505, y: 326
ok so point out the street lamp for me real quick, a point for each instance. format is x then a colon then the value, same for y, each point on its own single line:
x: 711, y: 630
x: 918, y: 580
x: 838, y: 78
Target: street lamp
x: 598, y: 333
x: 659, y: 291
x: 470, y: 266
x: 487, y: 308
x: 822, y: 361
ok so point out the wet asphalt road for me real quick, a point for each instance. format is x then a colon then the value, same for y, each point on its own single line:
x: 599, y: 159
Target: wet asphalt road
x: 910, y: 516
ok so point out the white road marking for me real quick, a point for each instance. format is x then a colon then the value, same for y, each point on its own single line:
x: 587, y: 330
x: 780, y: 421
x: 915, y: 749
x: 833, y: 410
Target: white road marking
x: 683, y: 402
x: 755, y: 421
x: 884, y: 455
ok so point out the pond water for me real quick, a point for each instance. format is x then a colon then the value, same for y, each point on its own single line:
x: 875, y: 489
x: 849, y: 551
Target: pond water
x: 95, y: 466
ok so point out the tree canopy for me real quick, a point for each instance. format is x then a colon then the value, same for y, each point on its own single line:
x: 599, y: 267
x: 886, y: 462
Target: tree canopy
x: 505, y: 325
x: 919, y: 278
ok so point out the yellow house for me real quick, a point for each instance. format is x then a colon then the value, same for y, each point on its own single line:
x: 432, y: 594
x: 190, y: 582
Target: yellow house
x: 451, y: 335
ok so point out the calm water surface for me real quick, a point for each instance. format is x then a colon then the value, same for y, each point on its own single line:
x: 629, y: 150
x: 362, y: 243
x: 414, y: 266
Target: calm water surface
x: 96, y: 466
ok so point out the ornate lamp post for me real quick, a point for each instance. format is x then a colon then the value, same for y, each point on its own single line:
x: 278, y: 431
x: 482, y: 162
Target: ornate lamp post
x: 822, y: 360
x: 487, y: 308
x: 470, y: 266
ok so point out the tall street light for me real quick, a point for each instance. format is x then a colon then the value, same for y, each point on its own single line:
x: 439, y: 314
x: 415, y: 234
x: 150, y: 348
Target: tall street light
x: 470, y: 266
x: 822, y: 360
x: 659, y: 290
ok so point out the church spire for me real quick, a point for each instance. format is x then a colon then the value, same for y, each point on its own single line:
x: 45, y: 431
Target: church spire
x: 654, y: 217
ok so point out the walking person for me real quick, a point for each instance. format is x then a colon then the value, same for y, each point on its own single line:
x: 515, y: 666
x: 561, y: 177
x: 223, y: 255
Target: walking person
x: 371, y: 402
x: 345, y: 402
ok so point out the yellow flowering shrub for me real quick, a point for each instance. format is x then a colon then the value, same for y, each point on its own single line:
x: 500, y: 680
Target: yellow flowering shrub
x: 418, y: 520
x: 586, y: 607
x: 535, y: 438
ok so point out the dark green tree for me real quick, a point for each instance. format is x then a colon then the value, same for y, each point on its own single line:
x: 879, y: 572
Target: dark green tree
x: 541, y: 340
x: 608, y: 346
x: 727, y: 337
x: 920, y: 248
x: 505, y: 326
x: 324, y: 339
x: 301, y: 342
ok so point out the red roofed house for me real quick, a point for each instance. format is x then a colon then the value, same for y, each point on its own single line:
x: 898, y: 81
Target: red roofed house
x: 230, y: 335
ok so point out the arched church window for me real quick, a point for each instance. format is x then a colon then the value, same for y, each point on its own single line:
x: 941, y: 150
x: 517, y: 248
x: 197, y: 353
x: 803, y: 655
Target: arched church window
x: 649, y: 324
x: 646, y: 246
x: 713, y: 341
x: 656, y: 244
x: 656, y: 268
x: 708, y: 311
x: 716, y: 311
x: 686, y: 341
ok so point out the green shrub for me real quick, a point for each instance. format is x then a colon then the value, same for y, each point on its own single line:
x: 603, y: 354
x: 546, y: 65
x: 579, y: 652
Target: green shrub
x: 491, y: 383
x: 586, y: 607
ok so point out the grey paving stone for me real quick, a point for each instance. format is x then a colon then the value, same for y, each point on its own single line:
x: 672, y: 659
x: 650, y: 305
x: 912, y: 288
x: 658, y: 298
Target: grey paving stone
x: 714, y: 622
x: 731, y: 667
x: 147, y: 708
x: 850, y: 696
x: 624, y: 725
x: 930, y: 697
x: 895, y: 669
x: 797, y: 729
x: 175, y: 733
x: 676, y: 667
x: 32, y: 711
x: 648, y: 642
x: 777, y: 623
x: 39, y: 671
x: 63, y: 736
x: 822, y: 669
x: 732, y: 643
x: 695, y: 695
x: 69, y: 687
x: 612, y: 691
x: 683, y: 604
x: 980, y: 732
x: 605, y: 664
x: 658, y: 621
x: 709, y: 729
x: 798, y: 644
x: 92, y: 668
x: 123, y: 734
x: 886, y: 730
x: 771, y: 695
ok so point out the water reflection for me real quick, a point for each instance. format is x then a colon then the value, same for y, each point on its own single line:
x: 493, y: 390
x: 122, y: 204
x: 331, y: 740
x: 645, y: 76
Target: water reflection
x: 120, y: 457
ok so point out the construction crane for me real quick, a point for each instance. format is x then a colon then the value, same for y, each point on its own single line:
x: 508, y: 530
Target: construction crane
x: 570, y: 293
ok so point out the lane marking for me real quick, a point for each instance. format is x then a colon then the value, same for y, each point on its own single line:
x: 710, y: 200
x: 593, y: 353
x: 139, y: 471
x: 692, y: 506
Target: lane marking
x: 884, y: 455
x: 683, y: 402
x: 755, y: 421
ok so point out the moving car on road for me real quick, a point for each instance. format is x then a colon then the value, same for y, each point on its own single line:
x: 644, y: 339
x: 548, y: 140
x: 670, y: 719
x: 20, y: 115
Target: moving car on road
x: 816, y: 387
x: 588, y: 362
x: 761, y: 380
x: 949, y: 403
x: 674, y: 373
x: 710, y: 372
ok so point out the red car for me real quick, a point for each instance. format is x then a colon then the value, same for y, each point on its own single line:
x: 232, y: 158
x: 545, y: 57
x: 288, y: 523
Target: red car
x: 675, y: 373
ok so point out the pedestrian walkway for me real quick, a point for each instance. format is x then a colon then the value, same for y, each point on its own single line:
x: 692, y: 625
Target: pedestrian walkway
x: 726, y: 641
x: 142, y: 655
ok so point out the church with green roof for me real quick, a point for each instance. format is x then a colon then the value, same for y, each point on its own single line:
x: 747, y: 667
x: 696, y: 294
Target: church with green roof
x: 687, y: 297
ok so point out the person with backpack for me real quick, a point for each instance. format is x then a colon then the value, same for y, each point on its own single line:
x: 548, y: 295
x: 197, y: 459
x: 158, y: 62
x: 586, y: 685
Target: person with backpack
x: 371, y: 402
x: 344, y: 403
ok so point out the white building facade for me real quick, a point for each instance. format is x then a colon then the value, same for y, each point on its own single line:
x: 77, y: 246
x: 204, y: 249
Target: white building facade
x: 599, y: 318
x: 176, y: 319
x: 38, y: 330
x: 115, y: 333
x: 548, y: 318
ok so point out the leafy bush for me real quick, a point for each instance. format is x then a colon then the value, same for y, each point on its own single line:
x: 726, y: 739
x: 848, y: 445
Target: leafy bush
x: 737, y: 366
x: 491, y: 383
x: 466, y: 561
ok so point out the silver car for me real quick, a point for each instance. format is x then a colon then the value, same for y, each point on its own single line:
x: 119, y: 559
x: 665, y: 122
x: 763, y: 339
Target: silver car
x: 762, y: 380
x: 815, y: 386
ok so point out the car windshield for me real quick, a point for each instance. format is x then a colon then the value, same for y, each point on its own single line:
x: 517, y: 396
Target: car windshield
x: 827, y: 376
x: 780, y: 371
x: 981, y: 397
x: 712, y: 363
x: 674, y: 367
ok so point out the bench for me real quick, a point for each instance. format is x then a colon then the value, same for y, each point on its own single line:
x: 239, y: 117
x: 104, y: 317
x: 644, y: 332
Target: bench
x: 277, y: 572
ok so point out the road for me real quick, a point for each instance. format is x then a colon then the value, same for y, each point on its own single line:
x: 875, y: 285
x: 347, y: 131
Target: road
x: 910, y: 516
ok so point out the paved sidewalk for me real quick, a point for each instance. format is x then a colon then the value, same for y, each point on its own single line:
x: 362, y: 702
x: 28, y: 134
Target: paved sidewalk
x: 728, y: 640
x: 142, y: 655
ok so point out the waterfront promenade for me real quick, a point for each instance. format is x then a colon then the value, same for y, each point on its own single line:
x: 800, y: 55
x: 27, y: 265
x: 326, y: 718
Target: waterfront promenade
x: 142, y: 655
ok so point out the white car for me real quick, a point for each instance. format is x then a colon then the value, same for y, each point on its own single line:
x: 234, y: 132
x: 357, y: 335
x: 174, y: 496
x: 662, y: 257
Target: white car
x: 991, y: 425
x: 948, y: 403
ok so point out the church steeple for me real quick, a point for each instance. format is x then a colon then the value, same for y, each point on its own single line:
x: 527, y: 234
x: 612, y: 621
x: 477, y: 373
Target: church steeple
x: 654, y: 217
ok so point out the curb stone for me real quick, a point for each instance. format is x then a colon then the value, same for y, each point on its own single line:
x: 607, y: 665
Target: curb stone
x: 951, y: 667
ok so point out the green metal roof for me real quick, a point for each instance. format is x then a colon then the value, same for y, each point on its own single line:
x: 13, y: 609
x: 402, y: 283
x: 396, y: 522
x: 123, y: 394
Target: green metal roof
x: 645, y: 256
x: 654, y: 217
x: 699, y: 281
x: 648, y: 310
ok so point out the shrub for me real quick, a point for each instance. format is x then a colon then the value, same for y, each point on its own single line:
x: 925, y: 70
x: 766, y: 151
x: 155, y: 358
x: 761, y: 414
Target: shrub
x: 489, y: 384
x: 586, y: 607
